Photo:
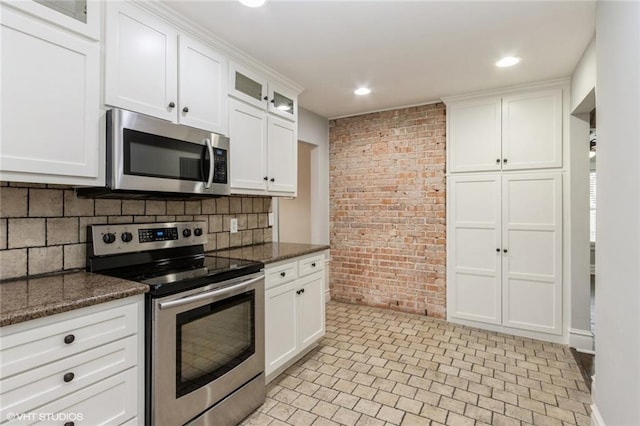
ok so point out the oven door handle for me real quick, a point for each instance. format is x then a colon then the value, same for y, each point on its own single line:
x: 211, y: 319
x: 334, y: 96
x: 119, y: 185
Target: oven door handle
x: 209, y: 294
x: 207, y: 142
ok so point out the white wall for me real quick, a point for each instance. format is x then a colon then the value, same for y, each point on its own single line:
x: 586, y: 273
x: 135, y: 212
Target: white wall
x: 295, y: 214
x: 582, y: 102
x: 314, y: 129
x: 617, y: 384
x: 583, y: 80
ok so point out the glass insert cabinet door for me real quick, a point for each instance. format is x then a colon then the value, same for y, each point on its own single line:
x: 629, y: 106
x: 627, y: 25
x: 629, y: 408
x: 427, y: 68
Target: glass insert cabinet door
x: 79, y: 16
x: 212, y: 340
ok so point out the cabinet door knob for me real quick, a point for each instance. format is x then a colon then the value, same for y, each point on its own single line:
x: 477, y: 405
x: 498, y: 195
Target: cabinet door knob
x: 266, y: 98
x: 68, y: 377
x: 172, y: 104
x: 185, y: 109
x: 272, y: 179
x: 497, y: 160
x: 68, y: 339
x: 505, y: 251
x: 313, y: 265
x: 298, y: 292
x: 498, y: 250
x: 302, y: 290
x: 504, y: 160
x: 266, y: 178
x: 282, y: 274
x: 69, y: 424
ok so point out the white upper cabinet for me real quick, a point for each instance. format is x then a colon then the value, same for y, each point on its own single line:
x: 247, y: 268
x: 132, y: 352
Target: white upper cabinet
x: 532, y: 130
x: 50, y: 103
x: 512, y: 132
x: 79, y: 16
x: 251, y: 87
x: 475, y: 135
x: 147, y: 73
x: 282, y: 156
x: 247, y: 86
x: 264, y: 152
x: 202, y: 86
x: 248, y: 136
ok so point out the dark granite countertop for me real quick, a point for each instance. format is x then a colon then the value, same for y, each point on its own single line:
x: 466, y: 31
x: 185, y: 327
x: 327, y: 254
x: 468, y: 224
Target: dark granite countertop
x: 31, y: 298
x: 271, y: 252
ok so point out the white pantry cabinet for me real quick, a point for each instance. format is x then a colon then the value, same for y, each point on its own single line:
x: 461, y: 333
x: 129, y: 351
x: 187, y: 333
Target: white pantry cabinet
x: 264, y: 152
x: 50, y: 102
x: 518, y: 131
x: 152, y: 69
x: 86, y: 362
x: 255, y: 89
x: 294, y: 310
x: 505, y: 250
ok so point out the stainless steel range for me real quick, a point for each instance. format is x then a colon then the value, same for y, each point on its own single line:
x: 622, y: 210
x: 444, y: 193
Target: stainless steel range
x: 204, y: 320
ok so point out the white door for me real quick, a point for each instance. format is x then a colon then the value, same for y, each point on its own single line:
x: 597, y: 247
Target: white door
x: 474, y: 135
x: 474, y: 248
x: 532, y: 251
x: 281, y: 325
x: 141, y: 62
x: 248, y: 146
x: 282, y: 156
x: 50, y: 101
x: 202, y: 86
x: 532, y: 130
x: 310, y: 308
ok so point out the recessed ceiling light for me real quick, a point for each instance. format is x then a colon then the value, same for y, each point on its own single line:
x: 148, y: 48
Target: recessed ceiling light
x: 252, y: 3
x: 362, y: 91
x: 507, y: 61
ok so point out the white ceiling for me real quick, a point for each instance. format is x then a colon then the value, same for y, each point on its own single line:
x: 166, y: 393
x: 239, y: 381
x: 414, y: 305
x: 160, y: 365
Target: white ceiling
x: 407, y: 52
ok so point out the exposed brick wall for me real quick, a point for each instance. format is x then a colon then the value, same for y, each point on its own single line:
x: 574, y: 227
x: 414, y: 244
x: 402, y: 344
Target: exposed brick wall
x: 387, y: 201
x: 43, y: 227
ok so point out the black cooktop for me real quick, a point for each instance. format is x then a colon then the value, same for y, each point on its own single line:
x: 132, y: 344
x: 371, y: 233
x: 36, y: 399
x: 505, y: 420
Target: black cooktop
x: 174, y: 275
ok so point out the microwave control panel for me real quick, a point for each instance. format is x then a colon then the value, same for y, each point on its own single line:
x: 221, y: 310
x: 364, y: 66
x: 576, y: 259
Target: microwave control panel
x: 219, y: 165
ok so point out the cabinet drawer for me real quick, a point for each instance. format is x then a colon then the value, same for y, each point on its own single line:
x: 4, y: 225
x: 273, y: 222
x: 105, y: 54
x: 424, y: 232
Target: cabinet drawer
x: 281, y: 274
x: 310, y: 265
x: 38, y: 342
x: 28, y: 390
x: 112, y: 401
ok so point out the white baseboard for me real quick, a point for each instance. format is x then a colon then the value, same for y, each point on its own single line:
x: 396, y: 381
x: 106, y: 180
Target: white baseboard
x: 596, y: 417
x: 582, y: 340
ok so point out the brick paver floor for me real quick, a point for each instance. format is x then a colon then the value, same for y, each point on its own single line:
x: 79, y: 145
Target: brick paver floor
x: 381, y: 367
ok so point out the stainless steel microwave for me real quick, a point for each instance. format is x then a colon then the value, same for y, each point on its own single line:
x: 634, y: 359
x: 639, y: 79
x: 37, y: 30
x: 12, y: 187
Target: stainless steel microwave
x: 149, y: 157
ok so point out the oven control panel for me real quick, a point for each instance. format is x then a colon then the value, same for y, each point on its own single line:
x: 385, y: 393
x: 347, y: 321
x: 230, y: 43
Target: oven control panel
x: 133, y: 237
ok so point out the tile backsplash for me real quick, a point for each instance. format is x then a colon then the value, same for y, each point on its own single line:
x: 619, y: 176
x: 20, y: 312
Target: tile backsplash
x: 43, y: 227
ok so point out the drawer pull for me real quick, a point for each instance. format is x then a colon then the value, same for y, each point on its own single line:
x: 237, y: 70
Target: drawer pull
x: 69, y: 424
x: 282, y: 274
x: 300, y: 291
x: 69, y: 338
x: 313, y: 265
x: 68, y: 377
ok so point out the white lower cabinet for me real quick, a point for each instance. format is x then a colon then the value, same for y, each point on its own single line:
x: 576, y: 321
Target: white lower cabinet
x: 85, y: 364
x: 294, y: 310
x: 505, y: 250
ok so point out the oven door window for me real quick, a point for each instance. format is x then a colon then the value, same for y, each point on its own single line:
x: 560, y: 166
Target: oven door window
x: 212, y: 340
x: 161, y: 157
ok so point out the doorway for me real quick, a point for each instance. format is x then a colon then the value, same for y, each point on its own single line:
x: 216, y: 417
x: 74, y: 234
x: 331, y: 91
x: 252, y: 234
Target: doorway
x: 294, y: 214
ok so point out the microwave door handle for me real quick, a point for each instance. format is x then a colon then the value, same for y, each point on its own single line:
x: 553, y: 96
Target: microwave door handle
x: 207, y: 142
x: 208, y: 294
